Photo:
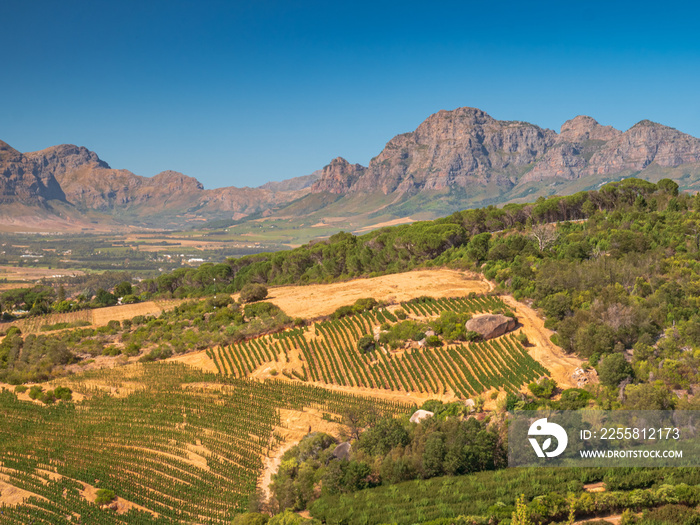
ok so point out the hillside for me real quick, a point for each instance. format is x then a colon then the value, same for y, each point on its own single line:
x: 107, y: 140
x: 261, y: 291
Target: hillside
x: 311, y: 412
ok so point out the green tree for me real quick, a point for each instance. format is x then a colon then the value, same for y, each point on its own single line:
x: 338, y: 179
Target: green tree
x: 613, y: 369
x: 478, y: 247
x: 253, y: 292
x: 123, y: 289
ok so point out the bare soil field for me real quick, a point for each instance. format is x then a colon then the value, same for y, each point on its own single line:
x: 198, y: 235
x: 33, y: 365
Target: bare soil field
x: 19, y: 273
x: 101, y: 316
x: 403, y: 220
x: 316, y: 300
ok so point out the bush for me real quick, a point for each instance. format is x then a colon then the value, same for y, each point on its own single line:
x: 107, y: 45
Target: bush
x: 613, y: 369
x: 543, y: 388
x: 64, y: 393
x: 250, y: 518
x: 433, y: 341
x: 401, y: 314
x: 35, y: 392
x: 105, y: 496
x: 253, y: 292
x: 365, y: 344
x: 21, y: 389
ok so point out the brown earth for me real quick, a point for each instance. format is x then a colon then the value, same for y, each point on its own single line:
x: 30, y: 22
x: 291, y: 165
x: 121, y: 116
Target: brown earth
x: 120, y: 505
x: 295, y: 425
x: 317, y: 300
x: 11, y: 495
x: 101, y: 316
x: 559, y: 363
x: 21, y: 273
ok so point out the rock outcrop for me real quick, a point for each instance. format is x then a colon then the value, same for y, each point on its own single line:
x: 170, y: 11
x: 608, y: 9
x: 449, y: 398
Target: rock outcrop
x: 342, y: 450
x: 420, y: 415
x: 491, y: 325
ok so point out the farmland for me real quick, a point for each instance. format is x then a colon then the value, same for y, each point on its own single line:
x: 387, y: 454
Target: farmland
x: 181, y: 445
x: 327, y: 353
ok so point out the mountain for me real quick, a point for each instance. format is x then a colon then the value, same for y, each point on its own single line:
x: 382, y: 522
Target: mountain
x: 296, y: 183
x: 466, y: 158
x: 453, y: 160
x: 72, y: 182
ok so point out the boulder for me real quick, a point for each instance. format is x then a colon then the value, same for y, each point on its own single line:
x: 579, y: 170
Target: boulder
x: 342, y: 451
x: 420, y: 415
x: 490, y: 325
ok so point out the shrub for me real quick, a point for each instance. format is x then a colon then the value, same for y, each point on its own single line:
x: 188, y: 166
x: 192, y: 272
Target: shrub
x: 105, y: 496
x: 365, y: 344
x: 250, y: 518
x: 35, y: 392
x: 543, y: 388
x: 64, y: 393
x: 20, y: 389
x: 253, y: 292
x: 433, y: 341
x: 111, y: 351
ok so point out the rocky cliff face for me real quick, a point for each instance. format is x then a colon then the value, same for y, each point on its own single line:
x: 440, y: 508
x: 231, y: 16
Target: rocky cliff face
x: 466, y: 148
x: 338, y: 177
x: 450, y: 148
x: 22, y: 179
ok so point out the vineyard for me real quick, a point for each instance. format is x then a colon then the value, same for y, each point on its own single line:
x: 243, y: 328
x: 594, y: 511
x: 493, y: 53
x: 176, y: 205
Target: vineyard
x: 185, y: 445
x: 328, y: 354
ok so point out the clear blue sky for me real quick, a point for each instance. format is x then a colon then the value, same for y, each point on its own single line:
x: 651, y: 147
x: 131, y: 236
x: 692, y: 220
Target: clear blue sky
x: 239, y: 93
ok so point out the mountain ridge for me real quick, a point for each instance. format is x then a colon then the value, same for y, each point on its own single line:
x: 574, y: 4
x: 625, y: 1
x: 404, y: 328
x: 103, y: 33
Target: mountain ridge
x: 453, y: 160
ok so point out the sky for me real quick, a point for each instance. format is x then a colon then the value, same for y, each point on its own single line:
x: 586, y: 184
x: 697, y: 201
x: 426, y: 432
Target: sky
x: 240, y: 93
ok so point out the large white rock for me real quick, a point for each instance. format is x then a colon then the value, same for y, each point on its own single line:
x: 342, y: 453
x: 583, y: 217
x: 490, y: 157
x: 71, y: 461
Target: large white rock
x: 491, y: 325
x: 420, y: 415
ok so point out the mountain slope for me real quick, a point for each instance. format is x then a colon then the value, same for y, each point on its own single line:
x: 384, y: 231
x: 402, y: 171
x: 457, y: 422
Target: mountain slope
x: 465, y: 158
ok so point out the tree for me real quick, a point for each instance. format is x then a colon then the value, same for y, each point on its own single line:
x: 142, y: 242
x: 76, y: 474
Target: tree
x: 104, y: 496
x: 613, y: 369
x: 253, y: 292
x: 543, y: 388
x: 105, y: 298
x: 478, y: 247
x: 123, y: 288
x: 668, y: 186
x: 545, y: 235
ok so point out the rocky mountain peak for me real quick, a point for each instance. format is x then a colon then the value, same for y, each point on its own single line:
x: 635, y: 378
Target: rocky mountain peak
x: 338, y: 176
x: 177, y: 181
x: 452, y: 125
x: 583, y: 128
x: 64, y: 159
